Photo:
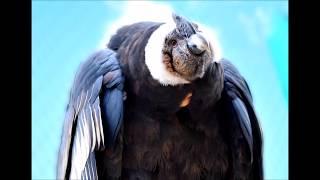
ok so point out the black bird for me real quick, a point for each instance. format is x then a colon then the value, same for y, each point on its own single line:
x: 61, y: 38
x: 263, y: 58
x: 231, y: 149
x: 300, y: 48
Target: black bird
x: 158, y: 103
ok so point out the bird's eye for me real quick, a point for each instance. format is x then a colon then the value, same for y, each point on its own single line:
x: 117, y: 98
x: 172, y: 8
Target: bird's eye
x: 173, y: 42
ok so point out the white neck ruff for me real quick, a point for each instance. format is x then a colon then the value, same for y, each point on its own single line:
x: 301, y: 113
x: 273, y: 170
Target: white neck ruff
x: 153, y: 54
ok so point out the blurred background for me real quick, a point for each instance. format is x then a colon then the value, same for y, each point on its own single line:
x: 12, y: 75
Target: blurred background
x: 253, y: 35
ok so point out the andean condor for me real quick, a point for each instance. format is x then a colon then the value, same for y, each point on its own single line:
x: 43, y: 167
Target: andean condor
x: 159, y: 103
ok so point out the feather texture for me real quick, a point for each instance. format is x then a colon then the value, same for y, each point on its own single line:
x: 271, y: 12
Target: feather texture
x: 239, y: 105
x: 83, y: 129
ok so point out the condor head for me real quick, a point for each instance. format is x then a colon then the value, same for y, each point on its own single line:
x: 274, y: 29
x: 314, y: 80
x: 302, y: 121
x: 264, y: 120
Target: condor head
x: 179, y: 52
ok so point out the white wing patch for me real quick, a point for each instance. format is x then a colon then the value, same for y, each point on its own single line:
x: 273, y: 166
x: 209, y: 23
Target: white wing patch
x: 87, y: 137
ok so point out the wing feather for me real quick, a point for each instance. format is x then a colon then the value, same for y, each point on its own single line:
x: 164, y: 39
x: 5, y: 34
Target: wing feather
x: 238, y: 98
x: 83, y: 130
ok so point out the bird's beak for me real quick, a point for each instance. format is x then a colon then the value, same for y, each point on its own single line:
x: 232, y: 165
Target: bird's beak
x: 197, y: 44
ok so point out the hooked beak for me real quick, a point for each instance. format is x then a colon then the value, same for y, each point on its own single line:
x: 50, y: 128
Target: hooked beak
x: 197, y: 44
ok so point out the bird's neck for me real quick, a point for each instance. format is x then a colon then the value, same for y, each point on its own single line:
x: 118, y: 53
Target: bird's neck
x: 154, y: 97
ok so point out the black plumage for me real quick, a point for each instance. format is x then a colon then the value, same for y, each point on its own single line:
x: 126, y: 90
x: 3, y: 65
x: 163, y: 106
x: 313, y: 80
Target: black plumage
x: 151, y: 135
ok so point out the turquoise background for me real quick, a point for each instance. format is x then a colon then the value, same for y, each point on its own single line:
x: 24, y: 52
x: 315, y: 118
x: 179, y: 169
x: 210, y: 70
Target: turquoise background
x: 253, y: 35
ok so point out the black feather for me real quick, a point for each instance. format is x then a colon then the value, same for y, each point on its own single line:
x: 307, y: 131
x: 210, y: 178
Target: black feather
x: 85, y: 128
x: 238, y: 97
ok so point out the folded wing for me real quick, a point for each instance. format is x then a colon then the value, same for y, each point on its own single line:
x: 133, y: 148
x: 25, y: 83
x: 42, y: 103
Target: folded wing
x: 93, y: 116
x: 239, y: 107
